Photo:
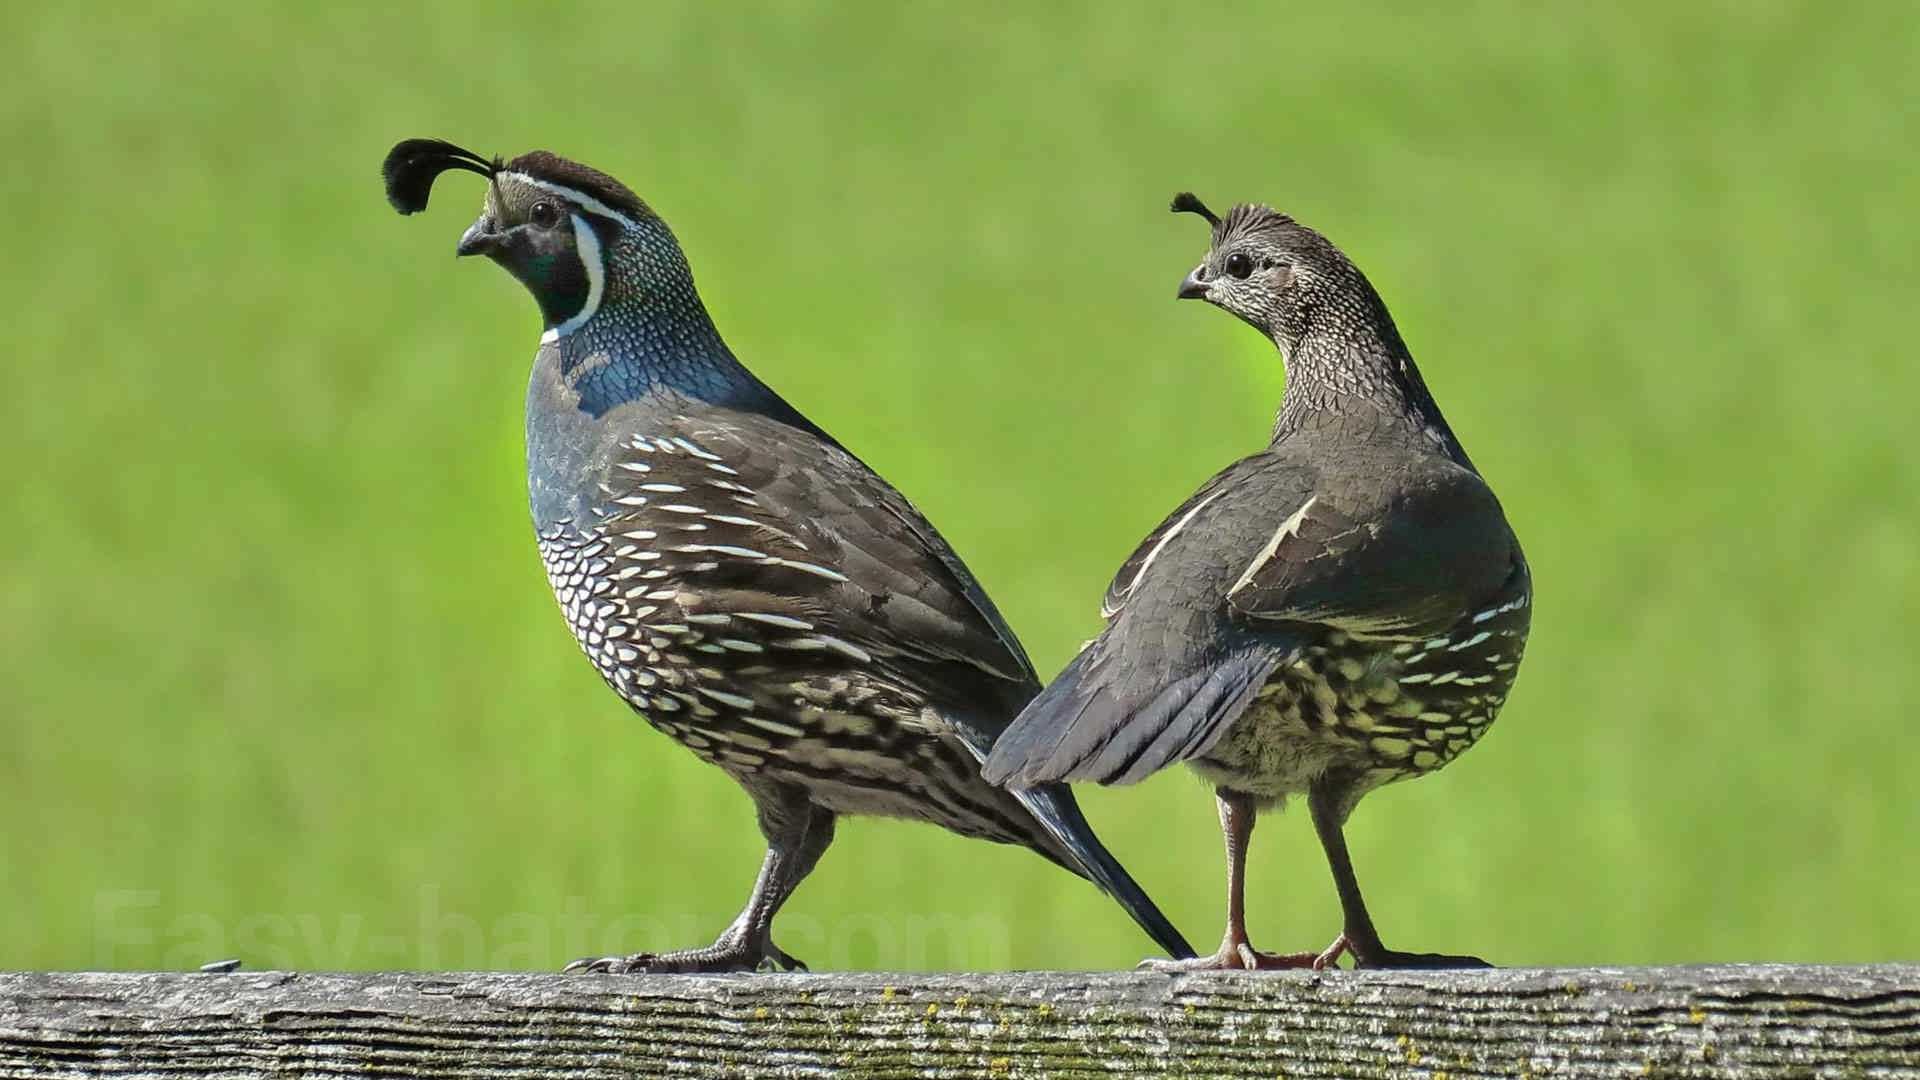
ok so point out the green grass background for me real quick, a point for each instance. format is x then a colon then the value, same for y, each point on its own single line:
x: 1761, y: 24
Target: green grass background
x: 282, y: 678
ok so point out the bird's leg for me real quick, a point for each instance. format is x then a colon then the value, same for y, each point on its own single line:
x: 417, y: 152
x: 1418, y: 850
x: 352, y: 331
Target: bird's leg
x: 1237, y: 814
x: 797, y: 833
x: 1358, y: 936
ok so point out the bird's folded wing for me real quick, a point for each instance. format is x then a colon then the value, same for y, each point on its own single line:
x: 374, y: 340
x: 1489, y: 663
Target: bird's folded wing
x: 1168, y: 675
x: 863, y: 565
x: 1191, y: 531
x: 1402, y: 566
x: 1261, y: 560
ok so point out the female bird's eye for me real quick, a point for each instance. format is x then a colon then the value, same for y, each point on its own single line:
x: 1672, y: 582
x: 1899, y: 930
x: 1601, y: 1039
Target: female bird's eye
x: 545, y: 215
x: 1239, y: 265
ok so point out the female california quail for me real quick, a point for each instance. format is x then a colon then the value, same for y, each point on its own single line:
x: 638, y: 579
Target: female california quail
x: 1343, y: 609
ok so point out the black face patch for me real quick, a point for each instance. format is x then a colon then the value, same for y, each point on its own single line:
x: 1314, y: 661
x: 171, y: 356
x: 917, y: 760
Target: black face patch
x: 549, y: 263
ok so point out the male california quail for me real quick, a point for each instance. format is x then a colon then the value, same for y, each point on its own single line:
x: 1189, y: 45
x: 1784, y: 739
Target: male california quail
x: 748, y: 586
x: 1344, y: 609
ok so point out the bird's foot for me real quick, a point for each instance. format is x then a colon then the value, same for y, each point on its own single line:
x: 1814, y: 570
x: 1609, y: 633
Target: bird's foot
x: 1233, y: 956
x: 727, y: 954
x: 1380, y: 957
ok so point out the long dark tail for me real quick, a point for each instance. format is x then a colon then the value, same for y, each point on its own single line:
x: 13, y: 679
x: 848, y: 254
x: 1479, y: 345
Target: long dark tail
x: 1055, y: 808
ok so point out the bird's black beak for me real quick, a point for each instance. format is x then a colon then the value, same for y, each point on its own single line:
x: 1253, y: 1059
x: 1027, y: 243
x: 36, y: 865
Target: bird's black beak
x: 479, y: 239
x: 1195, y: 285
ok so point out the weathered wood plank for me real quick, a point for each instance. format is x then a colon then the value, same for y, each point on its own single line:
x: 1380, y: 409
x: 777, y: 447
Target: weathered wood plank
x: 1733, y: 1021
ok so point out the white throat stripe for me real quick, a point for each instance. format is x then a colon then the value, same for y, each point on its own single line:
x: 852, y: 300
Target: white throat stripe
x: 587, y: 244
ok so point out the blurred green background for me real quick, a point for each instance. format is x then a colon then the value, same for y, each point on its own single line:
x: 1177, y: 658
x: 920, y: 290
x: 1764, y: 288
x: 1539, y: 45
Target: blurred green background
x: 283, y: 679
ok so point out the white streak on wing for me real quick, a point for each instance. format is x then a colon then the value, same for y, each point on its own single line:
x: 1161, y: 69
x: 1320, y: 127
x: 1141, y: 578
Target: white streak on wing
x: 722, y: 549
x: 587, y: 244
x: 1287, y: 528
x: 773, y: 726
x: 829, y: 642
x: 781, y: 621
x: 807, y: 567
x: 696, y: 450
x: 1155, y: 553
x: 725, y: 698
x: 1470, y: 642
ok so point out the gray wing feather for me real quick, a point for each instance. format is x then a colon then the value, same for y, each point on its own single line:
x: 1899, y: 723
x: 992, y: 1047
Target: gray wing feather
x: 1088, y: 726
x: 1171, y: 672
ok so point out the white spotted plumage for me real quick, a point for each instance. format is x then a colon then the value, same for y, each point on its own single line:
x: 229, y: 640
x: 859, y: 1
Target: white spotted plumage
x: 693, y: 657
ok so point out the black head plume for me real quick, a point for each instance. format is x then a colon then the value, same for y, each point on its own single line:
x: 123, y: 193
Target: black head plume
x: 1188, y: 203
x: 412, y: 166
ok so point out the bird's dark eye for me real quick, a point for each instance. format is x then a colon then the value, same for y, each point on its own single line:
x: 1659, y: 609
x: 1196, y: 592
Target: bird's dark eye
x: 544, y: 214
x: 1239, y: 264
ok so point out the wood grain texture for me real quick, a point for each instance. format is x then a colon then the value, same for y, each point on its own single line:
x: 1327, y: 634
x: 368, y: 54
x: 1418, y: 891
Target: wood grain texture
x: 1730, y: 1021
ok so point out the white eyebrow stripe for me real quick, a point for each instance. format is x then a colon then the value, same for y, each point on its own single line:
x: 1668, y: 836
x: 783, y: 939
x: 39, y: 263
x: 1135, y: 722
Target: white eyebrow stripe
x: 587, y: 243
x: 581, y: 197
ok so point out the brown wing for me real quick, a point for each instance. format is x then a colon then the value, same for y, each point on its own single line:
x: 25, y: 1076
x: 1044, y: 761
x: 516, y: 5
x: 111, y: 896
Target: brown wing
x: 764, y: 519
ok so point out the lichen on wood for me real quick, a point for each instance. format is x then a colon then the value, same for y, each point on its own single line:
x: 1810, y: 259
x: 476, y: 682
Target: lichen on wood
x: 1724, y: 1021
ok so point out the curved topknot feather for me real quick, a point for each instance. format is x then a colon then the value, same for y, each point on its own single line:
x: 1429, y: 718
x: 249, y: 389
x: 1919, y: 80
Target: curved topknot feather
x: 413, y: 165
x: 1188, y: 203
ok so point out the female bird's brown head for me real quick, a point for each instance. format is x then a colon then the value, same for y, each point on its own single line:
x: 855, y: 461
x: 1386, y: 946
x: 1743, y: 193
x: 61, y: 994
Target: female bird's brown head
x: 1283, y: 278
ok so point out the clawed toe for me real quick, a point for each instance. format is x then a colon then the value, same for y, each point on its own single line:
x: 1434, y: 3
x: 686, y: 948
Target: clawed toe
x: 1254, y: 960
x: 722, y: 956
x: 1379, y: 958
x: 1232, y: 956
x: 608, y: 965
x: 780, y: 960
x: 1238, y: 955
x: 1390, y: 959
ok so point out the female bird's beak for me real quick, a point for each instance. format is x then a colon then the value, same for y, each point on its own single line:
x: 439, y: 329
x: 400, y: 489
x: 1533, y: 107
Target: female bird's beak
x: 1195, y: 285
x: 479, y: 238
